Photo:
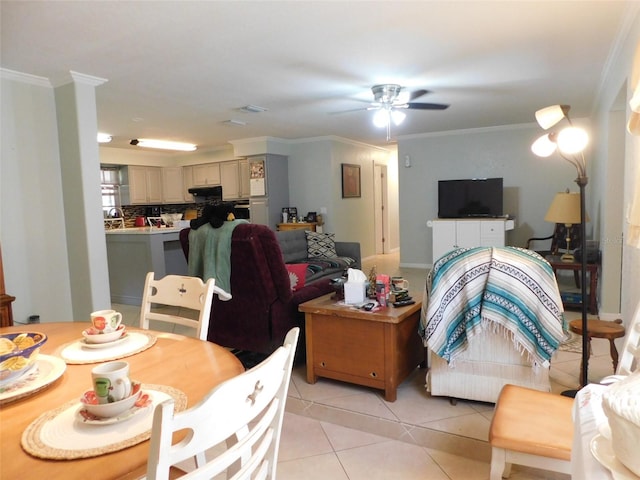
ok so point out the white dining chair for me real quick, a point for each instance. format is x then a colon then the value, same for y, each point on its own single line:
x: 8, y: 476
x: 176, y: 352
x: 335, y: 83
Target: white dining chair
x: 244, y: 414
x: 183, y: 292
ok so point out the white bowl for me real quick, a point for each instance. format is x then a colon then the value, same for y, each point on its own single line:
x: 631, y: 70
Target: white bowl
x: 109, y: 410
x: 91, y: 335
x: 171, y: 218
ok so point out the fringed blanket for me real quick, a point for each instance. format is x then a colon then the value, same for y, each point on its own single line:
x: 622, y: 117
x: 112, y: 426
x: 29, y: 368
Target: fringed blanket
x: 508, y: 289
x: 210, y: 253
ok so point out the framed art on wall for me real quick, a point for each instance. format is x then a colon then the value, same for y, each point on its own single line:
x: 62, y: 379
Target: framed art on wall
x: 350, y: 180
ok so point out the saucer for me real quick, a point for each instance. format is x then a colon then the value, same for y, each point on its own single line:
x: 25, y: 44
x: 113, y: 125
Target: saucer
x: 91, y: 337
x: 141, y: 406
x: 86, y: 344
x: 602, y: 450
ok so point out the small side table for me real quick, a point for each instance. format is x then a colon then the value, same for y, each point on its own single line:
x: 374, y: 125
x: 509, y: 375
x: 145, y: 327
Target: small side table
x: 592, y: 270
x: 600, y: 329
x: 375, y: 349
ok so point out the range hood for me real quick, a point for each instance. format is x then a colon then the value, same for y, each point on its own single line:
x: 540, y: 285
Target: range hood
x: 215, y: 192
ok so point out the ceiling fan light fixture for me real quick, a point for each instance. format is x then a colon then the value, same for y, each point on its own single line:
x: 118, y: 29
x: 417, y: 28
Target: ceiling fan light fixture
x: 381, y: 118
x: 386, y: 93
x: 163, y: 144
x: 397, y: 116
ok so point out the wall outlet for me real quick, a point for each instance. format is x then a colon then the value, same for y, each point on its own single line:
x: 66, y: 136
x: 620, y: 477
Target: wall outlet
x: 323, y: 210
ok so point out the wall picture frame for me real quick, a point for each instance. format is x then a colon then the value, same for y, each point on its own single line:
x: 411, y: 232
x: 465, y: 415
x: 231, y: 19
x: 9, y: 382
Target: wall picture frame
x: 350, y: 180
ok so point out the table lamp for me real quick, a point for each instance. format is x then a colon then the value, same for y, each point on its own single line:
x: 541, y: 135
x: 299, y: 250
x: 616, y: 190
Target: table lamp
x: 565, y: 209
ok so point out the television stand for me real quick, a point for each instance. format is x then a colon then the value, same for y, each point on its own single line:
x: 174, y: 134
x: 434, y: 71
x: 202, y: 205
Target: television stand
x: 452, y: 233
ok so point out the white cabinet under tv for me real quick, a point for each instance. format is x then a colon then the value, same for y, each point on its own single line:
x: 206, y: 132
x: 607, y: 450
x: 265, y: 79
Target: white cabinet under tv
x: 452, y: 233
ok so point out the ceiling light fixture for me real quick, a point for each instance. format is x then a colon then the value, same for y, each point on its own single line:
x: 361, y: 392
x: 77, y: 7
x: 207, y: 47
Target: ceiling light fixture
x: 235, y: 123
x: 163, y: 144
x: 253, y: 109
x: 104, y: 137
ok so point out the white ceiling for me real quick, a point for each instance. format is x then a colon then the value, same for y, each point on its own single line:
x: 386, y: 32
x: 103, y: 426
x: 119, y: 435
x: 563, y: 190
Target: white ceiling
x: 179, y: 69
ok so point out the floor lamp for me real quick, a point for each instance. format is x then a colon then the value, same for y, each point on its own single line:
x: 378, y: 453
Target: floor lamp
x: 570, y: 143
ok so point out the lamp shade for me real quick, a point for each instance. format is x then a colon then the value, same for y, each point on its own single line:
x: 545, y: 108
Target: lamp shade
x: 572, y: 140
x: 543, y: 146
x: 381, y: 118
x: 547, y: 117
x: 565, y: 209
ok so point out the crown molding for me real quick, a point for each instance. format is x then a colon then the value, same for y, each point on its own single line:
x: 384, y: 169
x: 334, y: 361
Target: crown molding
x: 36, y: 80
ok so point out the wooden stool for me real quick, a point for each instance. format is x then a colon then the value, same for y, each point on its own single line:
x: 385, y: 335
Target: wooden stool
x: 531, y: 428
x: 600, y: 329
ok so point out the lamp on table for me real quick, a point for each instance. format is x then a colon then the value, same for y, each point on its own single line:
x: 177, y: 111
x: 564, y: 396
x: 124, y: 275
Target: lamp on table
x: 565, y: 209
x: 570, y: 143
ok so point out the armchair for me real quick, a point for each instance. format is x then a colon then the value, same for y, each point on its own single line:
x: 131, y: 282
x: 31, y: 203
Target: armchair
x: 558, y: 240
x: 490, y: 316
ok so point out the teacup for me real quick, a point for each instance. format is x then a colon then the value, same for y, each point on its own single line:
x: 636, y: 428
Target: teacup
x: 106, y: 321
x: 111, y: 381
x: 400, y: 283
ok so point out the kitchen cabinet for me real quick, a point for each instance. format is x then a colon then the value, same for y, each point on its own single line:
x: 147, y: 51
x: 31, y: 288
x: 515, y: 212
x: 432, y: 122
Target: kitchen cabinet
x: 206, y: 174
x: 234, y: 178
x: 243, y: 181
x: 187, y: 183
x: 450, y: 234
x: 172, y: 185
x: 141, y: 185
x: 230, y: 180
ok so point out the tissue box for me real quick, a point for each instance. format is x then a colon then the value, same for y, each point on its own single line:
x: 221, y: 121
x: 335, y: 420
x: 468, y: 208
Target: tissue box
x: 354, y: 292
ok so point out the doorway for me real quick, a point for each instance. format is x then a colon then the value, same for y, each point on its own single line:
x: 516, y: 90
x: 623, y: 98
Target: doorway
x: 381, y: 212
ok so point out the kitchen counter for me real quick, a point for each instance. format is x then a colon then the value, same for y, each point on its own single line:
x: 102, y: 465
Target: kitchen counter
x: 142, y: 230
x: 133, y: 252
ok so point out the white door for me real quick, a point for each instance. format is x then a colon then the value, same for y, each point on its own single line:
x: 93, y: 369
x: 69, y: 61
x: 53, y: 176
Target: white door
x: 380, y: 211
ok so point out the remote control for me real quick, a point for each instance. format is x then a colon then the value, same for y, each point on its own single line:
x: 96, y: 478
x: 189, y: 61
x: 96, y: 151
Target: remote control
x: 403, y: 303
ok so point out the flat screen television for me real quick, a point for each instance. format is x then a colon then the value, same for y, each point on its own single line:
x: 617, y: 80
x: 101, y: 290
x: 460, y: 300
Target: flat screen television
x: 477, y: 197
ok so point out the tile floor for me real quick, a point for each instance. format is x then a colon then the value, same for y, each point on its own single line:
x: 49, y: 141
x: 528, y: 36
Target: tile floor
x: 334, y: 430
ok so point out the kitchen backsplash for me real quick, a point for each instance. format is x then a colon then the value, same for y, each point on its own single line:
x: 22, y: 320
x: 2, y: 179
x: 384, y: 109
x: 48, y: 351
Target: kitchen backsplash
x: 133, y: 211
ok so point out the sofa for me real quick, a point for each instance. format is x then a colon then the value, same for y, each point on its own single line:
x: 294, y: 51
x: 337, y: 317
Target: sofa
x: 490, y: 316
x: 264, y: 307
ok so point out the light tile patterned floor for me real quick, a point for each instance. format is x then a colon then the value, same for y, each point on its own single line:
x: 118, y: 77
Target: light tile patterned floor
x: 334, y: 430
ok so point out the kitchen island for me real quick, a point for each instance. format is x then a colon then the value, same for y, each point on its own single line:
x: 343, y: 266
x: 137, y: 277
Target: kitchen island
x: 133, y: 252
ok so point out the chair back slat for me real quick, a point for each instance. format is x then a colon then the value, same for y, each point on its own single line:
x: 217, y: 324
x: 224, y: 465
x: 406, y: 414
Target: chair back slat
x: 181, y: 292
x: 630, y: 357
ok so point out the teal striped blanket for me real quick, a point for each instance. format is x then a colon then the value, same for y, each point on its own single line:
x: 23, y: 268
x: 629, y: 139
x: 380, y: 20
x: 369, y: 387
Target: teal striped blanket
x: 510, y: 290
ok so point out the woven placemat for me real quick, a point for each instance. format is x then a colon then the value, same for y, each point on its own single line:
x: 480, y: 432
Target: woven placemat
x: 73, y: 354
x: 33, y: 444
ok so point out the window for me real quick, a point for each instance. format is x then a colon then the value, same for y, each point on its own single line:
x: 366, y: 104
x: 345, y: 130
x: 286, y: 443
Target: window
x: 109, y: 183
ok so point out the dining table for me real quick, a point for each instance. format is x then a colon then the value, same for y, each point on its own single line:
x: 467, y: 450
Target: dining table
x: 165, y: 364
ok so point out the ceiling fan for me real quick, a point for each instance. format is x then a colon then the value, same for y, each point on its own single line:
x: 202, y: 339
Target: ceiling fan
x: 390, y: 100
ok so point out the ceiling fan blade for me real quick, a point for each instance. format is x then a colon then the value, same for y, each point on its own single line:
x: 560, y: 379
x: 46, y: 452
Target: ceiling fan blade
x: 418, y: 94
x: 361, y: 109
x: 427, y: 106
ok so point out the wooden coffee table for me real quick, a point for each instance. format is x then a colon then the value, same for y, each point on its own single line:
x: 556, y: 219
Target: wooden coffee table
x: 376, y: 349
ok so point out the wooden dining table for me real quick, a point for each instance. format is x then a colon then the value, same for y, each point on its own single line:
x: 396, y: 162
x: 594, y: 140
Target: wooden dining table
x: 188, y: 364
